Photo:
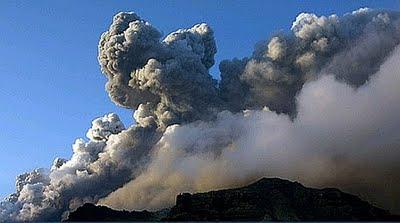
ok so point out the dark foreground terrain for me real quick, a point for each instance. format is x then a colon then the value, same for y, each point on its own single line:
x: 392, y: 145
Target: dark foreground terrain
x: 269, y: 199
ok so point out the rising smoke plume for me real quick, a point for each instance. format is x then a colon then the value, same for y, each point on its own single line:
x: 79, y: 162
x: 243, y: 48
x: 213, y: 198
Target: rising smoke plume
x: 318, y: 104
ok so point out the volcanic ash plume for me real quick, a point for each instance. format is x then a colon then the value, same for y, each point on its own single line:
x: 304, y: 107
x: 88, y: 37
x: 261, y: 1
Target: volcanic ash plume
x: 319, y: 104
x: 97, y: 167
x: 341, y: 137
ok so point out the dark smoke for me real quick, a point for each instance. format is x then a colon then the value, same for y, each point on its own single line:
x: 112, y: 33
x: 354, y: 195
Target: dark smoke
x: 167, y: 80
x: 351, y: 47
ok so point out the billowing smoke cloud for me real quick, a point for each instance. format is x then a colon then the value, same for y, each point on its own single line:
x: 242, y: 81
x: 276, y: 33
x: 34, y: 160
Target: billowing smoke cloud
x: 351, y: 47
x: 341, y: 137
x: 318, y: 104
x: 167, y: 79
x: 97, y: 167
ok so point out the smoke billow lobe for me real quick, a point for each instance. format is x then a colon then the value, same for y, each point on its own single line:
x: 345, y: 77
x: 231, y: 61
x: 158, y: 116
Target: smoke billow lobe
x: 167, y: 78
x: 299, y: 107
x: 351, y: 47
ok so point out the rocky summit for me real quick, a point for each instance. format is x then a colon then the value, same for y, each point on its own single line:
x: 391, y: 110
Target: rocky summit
x: 268, y: 199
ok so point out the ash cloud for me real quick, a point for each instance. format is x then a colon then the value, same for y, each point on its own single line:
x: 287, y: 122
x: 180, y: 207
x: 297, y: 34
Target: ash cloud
x: 341, y: 137
x: 318, y: 104
x: 97, y: 167
x: 167, y: 78
x: 351, y: 47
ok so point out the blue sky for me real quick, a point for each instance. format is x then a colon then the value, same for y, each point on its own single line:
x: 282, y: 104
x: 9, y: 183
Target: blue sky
x: 51, y: 86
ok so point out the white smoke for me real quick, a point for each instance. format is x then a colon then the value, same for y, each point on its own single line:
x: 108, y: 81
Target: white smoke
x: 98, y: 165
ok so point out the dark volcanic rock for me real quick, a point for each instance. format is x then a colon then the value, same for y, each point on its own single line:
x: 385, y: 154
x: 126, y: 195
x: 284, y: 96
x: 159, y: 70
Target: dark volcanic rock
x: 276, y: 200
x: 91, y: 212
x: 269, y: 199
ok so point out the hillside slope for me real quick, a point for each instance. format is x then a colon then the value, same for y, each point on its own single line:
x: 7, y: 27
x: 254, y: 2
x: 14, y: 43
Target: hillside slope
x: 268, y: 199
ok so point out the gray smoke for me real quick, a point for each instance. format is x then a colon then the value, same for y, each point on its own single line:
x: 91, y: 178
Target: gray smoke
x: 351, y: 47
x: 153, y: 75
x: 97, y: 167
x: 318, y: 104
x: 341, y: 138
